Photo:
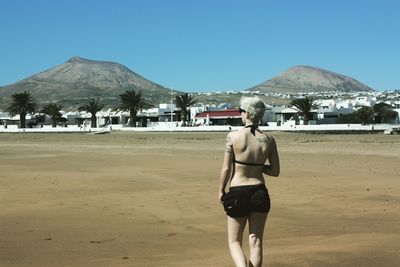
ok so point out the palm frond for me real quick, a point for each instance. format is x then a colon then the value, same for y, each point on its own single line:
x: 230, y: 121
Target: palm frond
x: 304, y: 105
x: 53, y: 110
x: 92, y: 107
x: 132, y: 101
x: 22, y: 103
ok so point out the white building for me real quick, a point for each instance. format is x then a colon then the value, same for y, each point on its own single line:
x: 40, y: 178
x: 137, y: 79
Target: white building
x: 365, y: 101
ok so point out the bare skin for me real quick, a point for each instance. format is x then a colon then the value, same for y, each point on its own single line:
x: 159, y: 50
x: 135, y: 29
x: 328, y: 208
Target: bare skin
x: 260, y: 148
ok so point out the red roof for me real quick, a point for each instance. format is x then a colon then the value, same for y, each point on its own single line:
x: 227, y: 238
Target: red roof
x: 220, y: 114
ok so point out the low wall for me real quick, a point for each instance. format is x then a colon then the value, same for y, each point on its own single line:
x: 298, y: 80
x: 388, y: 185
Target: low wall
x: 286, y: 128
x: 49, y: 129
x: 327, y: 128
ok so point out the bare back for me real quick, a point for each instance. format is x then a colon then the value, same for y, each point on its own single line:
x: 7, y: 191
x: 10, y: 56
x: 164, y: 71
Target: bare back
x: 251, y: 149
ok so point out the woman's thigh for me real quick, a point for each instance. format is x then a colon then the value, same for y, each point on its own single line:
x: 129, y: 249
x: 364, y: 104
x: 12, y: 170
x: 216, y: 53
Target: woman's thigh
x: 235, y: 228
x: 256, y: 224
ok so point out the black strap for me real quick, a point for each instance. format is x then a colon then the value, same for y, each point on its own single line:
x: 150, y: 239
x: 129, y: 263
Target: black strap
x: 248, y: 164
x: 253, y: 128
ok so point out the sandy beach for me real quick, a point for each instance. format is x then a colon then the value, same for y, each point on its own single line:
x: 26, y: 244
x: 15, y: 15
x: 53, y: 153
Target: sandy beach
x: 150, y: 199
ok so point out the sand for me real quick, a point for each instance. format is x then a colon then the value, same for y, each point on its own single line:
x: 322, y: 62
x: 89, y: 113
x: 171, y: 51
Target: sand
x: 150, y: 199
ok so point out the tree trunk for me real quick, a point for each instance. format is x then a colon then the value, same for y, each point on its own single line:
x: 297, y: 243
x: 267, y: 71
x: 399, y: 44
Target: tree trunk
x: 93, y: 118
x: 54, y: 123
x: 22, y: 119
x: 306, y: 118
x: 132, y: 122
x: 184, y: 115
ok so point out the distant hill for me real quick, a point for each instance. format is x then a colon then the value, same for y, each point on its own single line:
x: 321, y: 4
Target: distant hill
x: 310, y: 79
x: 77, y: 80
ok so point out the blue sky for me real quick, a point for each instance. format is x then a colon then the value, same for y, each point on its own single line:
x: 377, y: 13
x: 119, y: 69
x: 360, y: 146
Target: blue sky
x: 205, y: 45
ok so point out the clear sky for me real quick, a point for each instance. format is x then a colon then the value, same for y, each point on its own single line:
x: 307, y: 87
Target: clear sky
x: 204, y: 45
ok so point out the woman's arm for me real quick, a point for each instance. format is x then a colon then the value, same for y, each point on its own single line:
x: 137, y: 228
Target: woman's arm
x: 226, y: 170
x: 273, y: 169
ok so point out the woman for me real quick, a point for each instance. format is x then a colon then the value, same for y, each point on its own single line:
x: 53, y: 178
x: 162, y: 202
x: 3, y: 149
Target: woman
x: 246, y: 153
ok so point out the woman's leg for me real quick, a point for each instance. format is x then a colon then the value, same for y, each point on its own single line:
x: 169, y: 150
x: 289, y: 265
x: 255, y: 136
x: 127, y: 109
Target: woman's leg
x: 256, y: 231
x: 235, y: 236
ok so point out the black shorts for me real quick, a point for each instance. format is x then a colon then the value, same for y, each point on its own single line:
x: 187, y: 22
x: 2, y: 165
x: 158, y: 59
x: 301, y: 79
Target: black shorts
x: 240, y: 201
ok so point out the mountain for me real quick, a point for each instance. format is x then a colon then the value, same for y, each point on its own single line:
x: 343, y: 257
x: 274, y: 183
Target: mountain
x: 300, y: 79
x: 77, y: 80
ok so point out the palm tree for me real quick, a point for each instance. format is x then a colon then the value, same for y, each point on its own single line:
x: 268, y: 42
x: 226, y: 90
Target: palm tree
x: 184, y: 101
x: 53, y: 110
x: 132, y: 101
x: 305, y: 105
x: 92, y: 107
x: 22, y: 104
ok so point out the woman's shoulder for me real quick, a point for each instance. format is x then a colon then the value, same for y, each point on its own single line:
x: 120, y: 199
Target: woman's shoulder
x: 236, y: 134
x: 268, y: 134
x: 269, y: 137
x: 230, y: 137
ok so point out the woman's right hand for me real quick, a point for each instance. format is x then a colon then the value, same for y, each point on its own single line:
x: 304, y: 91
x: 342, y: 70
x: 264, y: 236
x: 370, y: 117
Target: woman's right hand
x: 220, y: 196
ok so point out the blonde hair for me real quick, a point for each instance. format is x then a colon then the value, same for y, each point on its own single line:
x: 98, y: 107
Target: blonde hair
x: 254, y: 107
